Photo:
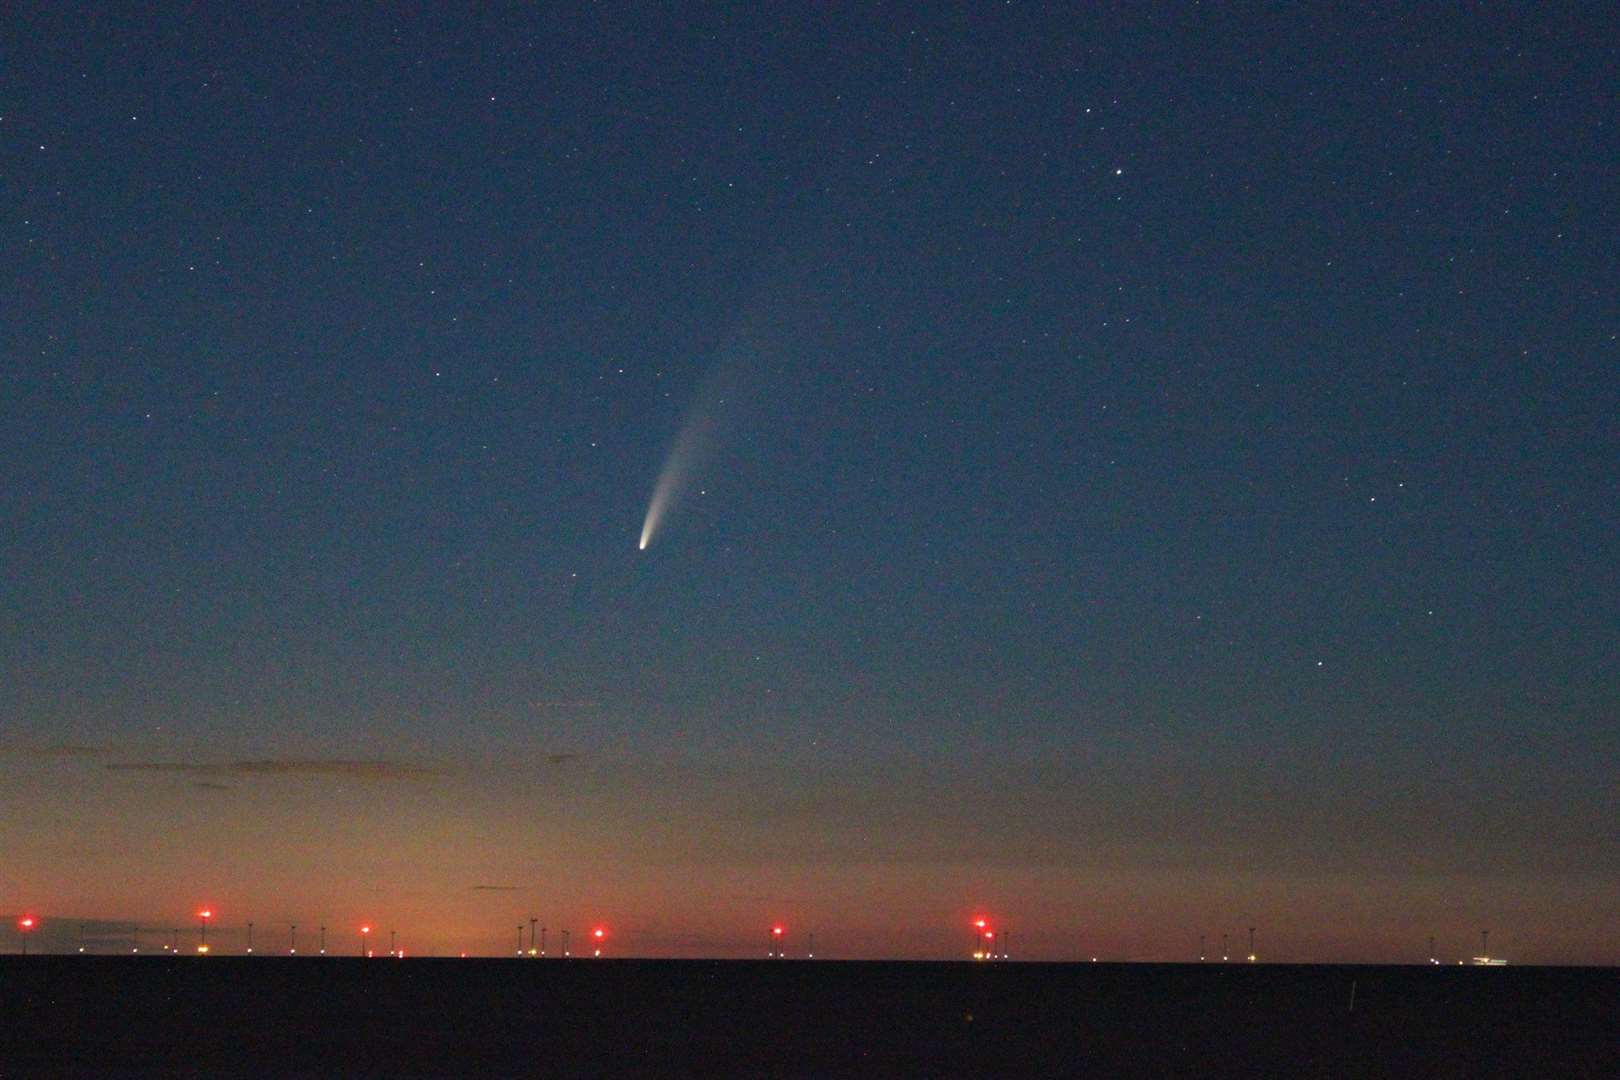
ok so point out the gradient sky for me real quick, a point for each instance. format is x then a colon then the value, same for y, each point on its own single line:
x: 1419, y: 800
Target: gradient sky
x: 1159, y: 476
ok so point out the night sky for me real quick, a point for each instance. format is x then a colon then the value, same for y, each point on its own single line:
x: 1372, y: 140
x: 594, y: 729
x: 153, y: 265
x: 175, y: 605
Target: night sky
x: 1136, y: 475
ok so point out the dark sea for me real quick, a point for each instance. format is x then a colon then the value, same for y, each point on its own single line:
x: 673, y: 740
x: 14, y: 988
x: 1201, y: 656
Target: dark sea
x: 327, y: 1017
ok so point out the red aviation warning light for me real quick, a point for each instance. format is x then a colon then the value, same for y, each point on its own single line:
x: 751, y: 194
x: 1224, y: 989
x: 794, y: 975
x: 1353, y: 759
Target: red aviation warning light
x: 981, y: 928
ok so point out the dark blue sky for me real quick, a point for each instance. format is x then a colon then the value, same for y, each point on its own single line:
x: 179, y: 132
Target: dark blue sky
x: 1132, y: 432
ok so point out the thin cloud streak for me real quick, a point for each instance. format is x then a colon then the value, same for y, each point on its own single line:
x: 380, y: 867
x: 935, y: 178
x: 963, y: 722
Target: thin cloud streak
x: 337, y: 767
x: 59, y: 750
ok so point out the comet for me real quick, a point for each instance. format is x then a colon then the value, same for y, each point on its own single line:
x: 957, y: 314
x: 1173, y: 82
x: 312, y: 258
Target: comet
x: 691, y: 446
x: 725, y: 397
x: 729, y: 395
